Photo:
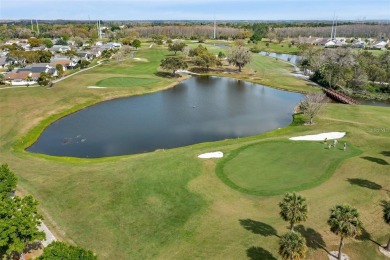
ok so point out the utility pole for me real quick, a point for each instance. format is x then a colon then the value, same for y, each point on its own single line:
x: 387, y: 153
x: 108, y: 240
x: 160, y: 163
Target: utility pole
x: 215, y: 28
x: 331, y: 34
x: 37, y: 25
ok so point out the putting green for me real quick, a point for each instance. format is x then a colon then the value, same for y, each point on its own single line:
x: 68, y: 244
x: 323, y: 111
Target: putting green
x: 126, y: 82
x: 272, y: 168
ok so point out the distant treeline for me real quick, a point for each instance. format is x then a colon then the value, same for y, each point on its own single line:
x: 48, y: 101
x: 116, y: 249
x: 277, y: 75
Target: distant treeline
x: 206, y: 31
x: 350, y: 30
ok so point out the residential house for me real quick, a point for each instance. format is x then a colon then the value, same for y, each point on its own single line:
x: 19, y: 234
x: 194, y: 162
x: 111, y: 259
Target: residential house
x: 25, y: 46
x: 29, y: 75
x: 381, y: 45
x: 65, y: 62
x: 60, y: 49
x: 40, y: 48
x: 358, y: 44
x: 16, y: 41
x: 21, y: 78
x: 85, y: 55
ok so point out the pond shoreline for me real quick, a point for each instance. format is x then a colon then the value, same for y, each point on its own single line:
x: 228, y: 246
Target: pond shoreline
x: 201, y: 109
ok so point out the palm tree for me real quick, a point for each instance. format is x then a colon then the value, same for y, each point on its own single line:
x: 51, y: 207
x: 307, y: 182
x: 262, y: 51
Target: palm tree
x: 293, y: 208
x: 386, y: 217
x: 292, y: 246
x: 344, y: 221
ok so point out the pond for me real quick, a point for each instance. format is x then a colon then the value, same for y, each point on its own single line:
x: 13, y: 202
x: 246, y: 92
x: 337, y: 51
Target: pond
x: 200, y: 109
x: 295, y: 59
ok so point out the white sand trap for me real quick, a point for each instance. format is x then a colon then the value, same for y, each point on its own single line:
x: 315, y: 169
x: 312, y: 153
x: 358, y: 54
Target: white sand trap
x: 211, y: 155
x: 319, y: 137
x: 95, y: 87
x: 140, y: 59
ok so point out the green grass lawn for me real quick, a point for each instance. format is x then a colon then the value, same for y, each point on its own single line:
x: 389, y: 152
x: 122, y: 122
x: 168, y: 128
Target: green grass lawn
x: 272, y: 168
x: 169, y: 204
x: 282, y: 47
x: 126, y: 82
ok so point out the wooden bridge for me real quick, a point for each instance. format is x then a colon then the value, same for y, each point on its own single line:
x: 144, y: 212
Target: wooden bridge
x: 339, y: 96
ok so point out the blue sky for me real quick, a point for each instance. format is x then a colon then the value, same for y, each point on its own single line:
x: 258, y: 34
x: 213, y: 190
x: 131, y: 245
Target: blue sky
x: 195, y: 9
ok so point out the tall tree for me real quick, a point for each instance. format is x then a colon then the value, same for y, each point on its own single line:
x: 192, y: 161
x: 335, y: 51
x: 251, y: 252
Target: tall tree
x: 34, y: 42
x: 136, y: 43
x: 344, y: 221
x: 386, y: 218
x: 19, y: 221
x: 293, y: 208
x: 206, y: 60
x: 44, y: 79
x: 8, y: 181
x: 48, y: 43
x: 173, y: 64
x: 61, y: 250
x: 60, y: 70
x: 292, y: 246
x: 239, y: 56
x: 176, y: 46
x: 312, y: 105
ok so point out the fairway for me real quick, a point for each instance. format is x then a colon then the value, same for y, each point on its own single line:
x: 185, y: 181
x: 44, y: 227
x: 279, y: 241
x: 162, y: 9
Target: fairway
x: 126, y: 82
x: 272, y: 168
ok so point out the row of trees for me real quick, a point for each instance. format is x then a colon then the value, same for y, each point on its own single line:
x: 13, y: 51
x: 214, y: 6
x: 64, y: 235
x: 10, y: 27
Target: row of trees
x: 238, y: 56
x: 342, y: 68
x: 349, y: 30
x: 23, y: 57
x: 343, y: 221
x: 19, y: 222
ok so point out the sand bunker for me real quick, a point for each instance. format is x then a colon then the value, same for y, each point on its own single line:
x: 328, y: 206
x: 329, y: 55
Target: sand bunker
x: 140, y: 59
x: 211, y: 155
x: 319, y: 137
x: 95, y: 87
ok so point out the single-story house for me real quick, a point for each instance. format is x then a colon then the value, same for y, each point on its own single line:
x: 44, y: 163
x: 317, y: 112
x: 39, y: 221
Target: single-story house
x: 21, y: 78
x: 330, y: 43
x: 65, y: 62
x: 60, y: 48
x: 85, y: 55
x: 379, y: 44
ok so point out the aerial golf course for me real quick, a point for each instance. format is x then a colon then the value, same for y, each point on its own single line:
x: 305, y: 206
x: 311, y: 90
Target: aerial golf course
x: 169, y: 204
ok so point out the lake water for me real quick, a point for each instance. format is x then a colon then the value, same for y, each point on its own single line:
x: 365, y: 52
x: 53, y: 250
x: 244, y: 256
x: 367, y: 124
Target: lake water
x: 200, y: 109
x: 286, y: 57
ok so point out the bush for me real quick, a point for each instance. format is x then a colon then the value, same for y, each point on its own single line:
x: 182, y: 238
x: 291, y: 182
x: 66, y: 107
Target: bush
x: 61, y: 250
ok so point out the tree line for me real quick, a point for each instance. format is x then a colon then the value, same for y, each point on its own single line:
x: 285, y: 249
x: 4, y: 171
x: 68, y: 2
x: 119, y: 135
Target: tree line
x: 353, y: 72
x: 200, y: 57
x: 348, y: 30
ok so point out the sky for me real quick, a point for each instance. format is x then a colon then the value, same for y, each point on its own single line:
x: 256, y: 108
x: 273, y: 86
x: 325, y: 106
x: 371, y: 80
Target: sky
x: 196, y: 9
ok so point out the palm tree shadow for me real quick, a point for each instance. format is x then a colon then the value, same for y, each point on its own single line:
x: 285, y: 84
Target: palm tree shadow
x: 314, y: 239
x: 375, y: 160
x: 258, y: 253
x: 364, y: 183
x: 364, y: 236
x: 258, y: 227
x: 385, y: 153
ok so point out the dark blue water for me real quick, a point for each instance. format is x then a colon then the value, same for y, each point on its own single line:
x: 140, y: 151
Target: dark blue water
x: 200, y: 109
